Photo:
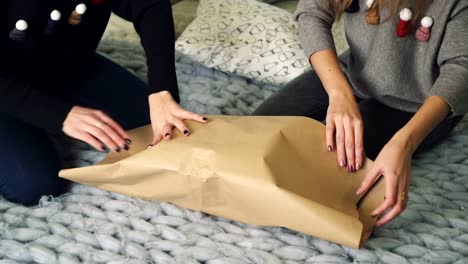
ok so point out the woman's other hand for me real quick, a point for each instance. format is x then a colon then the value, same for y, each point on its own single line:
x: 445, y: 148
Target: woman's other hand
x: 95, y: 128
x: 345, y: 130
x: 394, y: 163
x: 166, y: 115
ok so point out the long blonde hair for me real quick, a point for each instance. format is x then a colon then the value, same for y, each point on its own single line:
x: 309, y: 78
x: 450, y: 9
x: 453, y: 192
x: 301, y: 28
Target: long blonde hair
x: 340, y: 6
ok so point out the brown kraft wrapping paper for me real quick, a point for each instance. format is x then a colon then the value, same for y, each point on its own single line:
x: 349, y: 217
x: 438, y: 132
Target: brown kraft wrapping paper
x: 268, y: 171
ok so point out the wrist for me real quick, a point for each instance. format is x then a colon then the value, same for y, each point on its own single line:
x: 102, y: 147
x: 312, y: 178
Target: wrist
x: 340, y: 92
x: 159, y: 95
x: 406, y: 141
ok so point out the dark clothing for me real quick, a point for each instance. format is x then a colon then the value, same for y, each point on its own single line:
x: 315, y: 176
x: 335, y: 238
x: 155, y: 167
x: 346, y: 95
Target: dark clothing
x: 33, y: 70
x: 306, y: 96
x: 29, y: 163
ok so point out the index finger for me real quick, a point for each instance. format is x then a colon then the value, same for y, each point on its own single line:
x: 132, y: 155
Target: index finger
x: 186, y: 115
x: 391, y: 189
x: 392, y: 214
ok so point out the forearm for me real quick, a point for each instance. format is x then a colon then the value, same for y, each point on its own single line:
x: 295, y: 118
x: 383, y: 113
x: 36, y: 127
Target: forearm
x: 328, y: 69
x: 30, y: 105
x: 156, y: 29
x: 432, y: 112
x: 153, y: 21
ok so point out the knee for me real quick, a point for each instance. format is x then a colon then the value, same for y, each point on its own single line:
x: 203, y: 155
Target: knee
x: 268, y: 108
x: 29, y: 193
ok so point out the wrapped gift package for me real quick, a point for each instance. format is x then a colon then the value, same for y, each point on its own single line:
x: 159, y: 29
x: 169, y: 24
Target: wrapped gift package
x: 267, y: 171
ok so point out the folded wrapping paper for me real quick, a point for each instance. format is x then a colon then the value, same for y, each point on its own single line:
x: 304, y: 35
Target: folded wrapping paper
x: 269, y: 171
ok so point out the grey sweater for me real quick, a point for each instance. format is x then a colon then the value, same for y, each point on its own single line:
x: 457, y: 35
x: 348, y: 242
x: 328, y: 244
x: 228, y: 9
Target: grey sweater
x: 398, y: 72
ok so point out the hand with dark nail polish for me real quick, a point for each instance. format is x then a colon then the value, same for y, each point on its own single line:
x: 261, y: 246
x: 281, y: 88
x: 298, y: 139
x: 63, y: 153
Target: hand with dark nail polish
x: 126, y: 148
x: 128, y: 141
x: 94, y: 127
x: 117, y: 149
x: 166, y: 114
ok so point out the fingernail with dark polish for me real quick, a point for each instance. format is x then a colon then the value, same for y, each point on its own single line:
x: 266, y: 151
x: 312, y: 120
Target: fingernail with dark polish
x: 126, y: 147
x: 128, y: 141
x: 103, y: 148
x: 117, y: 149
x: 330, y: 148
x: 352, y: 169
x: 186, y: 132
x: 204, y: 119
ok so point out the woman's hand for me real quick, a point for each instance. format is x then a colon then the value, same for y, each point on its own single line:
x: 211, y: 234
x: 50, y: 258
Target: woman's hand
x: 394, y: 162
x: 95, y: 128
x: 166, y: 115
x: 345, y: 130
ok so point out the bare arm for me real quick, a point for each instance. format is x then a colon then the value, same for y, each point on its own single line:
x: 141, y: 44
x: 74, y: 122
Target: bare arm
x: 344, y: 122
x: 394, y: 161
x: 328, y: 69
x: 433, y: 111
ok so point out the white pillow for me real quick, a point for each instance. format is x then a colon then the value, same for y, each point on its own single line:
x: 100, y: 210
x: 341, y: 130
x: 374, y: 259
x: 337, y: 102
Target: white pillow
x: 245, y: 37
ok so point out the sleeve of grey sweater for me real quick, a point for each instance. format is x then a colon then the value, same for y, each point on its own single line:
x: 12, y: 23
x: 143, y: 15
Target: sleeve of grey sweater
x: 452, y: 83
x: 315, y: 24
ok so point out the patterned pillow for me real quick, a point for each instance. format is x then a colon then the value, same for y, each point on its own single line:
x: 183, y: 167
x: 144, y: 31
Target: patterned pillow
x: 245, y: 37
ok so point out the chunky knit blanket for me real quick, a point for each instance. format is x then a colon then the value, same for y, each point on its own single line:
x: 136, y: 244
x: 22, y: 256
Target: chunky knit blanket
x: 88, y: 225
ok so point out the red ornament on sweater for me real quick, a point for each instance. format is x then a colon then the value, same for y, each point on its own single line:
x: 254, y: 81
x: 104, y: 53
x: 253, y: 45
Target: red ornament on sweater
x: 98, y: 2
x: 404, y: 28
